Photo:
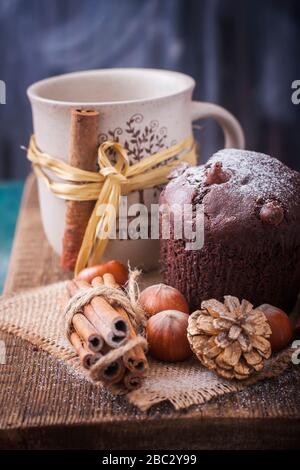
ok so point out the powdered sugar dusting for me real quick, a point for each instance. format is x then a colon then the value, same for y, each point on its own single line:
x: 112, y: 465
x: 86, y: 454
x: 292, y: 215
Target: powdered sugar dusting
x: 253, y: 174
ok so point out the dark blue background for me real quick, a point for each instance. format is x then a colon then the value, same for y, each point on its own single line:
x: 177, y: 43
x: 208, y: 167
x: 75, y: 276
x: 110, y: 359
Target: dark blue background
x: 244, y: 55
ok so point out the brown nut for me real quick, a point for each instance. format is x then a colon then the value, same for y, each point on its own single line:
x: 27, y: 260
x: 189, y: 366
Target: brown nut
x: 119, y: 271
x: 216, y: 175
x: 161, y: 297
x: 271, y: 213
x: 167, y: 336
x: 281, y: 326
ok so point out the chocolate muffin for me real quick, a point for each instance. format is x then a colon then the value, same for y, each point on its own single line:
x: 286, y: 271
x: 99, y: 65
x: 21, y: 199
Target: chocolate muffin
x: 251, y: 230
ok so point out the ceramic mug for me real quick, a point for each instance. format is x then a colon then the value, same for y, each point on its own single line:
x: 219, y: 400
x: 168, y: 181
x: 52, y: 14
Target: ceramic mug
x: 157, y: 103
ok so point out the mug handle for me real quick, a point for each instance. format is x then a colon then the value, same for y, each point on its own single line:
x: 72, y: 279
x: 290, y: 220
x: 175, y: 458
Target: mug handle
x: 233, y: 133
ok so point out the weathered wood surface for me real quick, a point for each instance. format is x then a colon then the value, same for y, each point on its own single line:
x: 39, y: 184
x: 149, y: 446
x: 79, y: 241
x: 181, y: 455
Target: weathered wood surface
x: 45, y: 405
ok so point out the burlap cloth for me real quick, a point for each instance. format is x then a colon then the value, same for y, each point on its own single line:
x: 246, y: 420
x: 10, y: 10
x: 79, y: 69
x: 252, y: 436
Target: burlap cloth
x: 37, y: 316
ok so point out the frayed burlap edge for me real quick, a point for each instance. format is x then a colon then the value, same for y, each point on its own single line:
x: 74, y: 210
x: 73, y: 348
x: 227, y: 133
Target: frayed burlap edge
x: 12, y: 322
x: 216, y: 386
x: 37, y: 316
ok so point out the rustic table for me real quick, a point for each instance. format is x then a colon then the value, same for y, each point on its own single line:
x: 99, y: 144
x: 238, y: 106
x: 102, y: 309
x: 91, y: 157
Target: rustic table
x: 43, y: 405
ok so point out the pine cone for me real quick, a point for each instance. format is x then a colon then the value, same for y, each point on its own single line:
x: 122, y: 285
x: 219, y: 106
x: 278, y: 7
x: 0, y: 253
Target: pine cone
x: 230, y: 338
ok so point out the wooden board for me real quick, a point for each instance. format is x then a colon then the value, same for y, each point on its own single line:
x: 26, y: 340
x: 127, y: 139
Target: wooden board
x: 45, y: 405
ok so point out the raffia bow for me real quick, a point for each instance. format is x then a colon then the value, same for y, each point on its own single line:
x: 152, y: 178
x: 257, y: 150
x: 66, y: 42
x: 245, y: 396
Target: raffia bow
x: 107, y: 185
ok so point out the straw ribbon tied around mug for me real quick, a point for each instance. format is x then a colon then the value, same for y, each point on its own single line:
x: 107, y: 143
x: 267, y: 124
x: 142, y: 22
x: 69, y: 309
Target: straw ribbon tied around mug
x: 107, y: 185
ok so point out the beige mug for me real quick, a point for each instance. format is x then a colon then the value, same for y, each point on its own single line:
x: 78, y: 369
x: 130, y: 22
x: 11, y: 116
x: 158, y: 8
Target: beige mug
x: 157, y: 103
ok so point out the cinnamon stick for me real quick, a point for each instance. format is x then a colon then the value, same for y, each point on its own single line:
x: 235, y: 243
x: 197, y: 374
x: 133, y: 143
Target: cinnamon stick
x: 87, y: 332
x: 83, y: 155
x: 132, y: 380
x: 135, y: 359
x: 107, y: 321
x: 87, y: 358
x: 91, y: 336
x: 110, y: 374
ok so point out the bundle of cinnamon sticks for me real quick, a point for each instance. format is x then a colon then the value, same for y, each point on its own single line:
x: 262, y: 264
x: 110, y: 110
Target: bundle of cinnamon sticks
x: 101, y: 328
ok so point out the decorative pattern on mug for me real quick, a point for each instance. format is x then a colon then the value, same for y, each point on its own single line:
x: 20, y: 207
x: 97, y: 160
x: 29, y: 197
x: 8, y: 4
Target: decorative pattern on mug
x: 139, y: 140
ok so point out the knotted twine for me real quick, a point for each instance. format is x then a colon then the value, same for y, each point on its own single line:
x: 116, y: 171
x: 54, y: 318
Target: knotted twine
x: 107, y: 185
x: 114, y: 296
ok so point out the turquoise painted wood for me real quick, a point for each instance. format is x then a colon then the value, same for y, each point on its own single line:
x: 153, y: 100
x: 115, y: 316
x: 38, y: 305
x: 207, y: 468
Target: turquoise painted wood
x: 10, y: 197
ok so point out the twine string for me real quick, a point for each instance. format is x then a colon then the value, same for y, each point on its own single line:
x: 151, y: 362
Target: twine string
x: 114, y: 296
x: 116, y: 354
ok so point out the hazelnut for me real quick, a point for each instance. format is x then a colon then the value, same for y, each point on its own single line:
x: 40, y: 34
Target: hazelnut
x: 281, y: 326
x: 167, y: 336
x: 271, y: 213
x: 216, y: 175
x: 160, y: 297
x: 119, y: 271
